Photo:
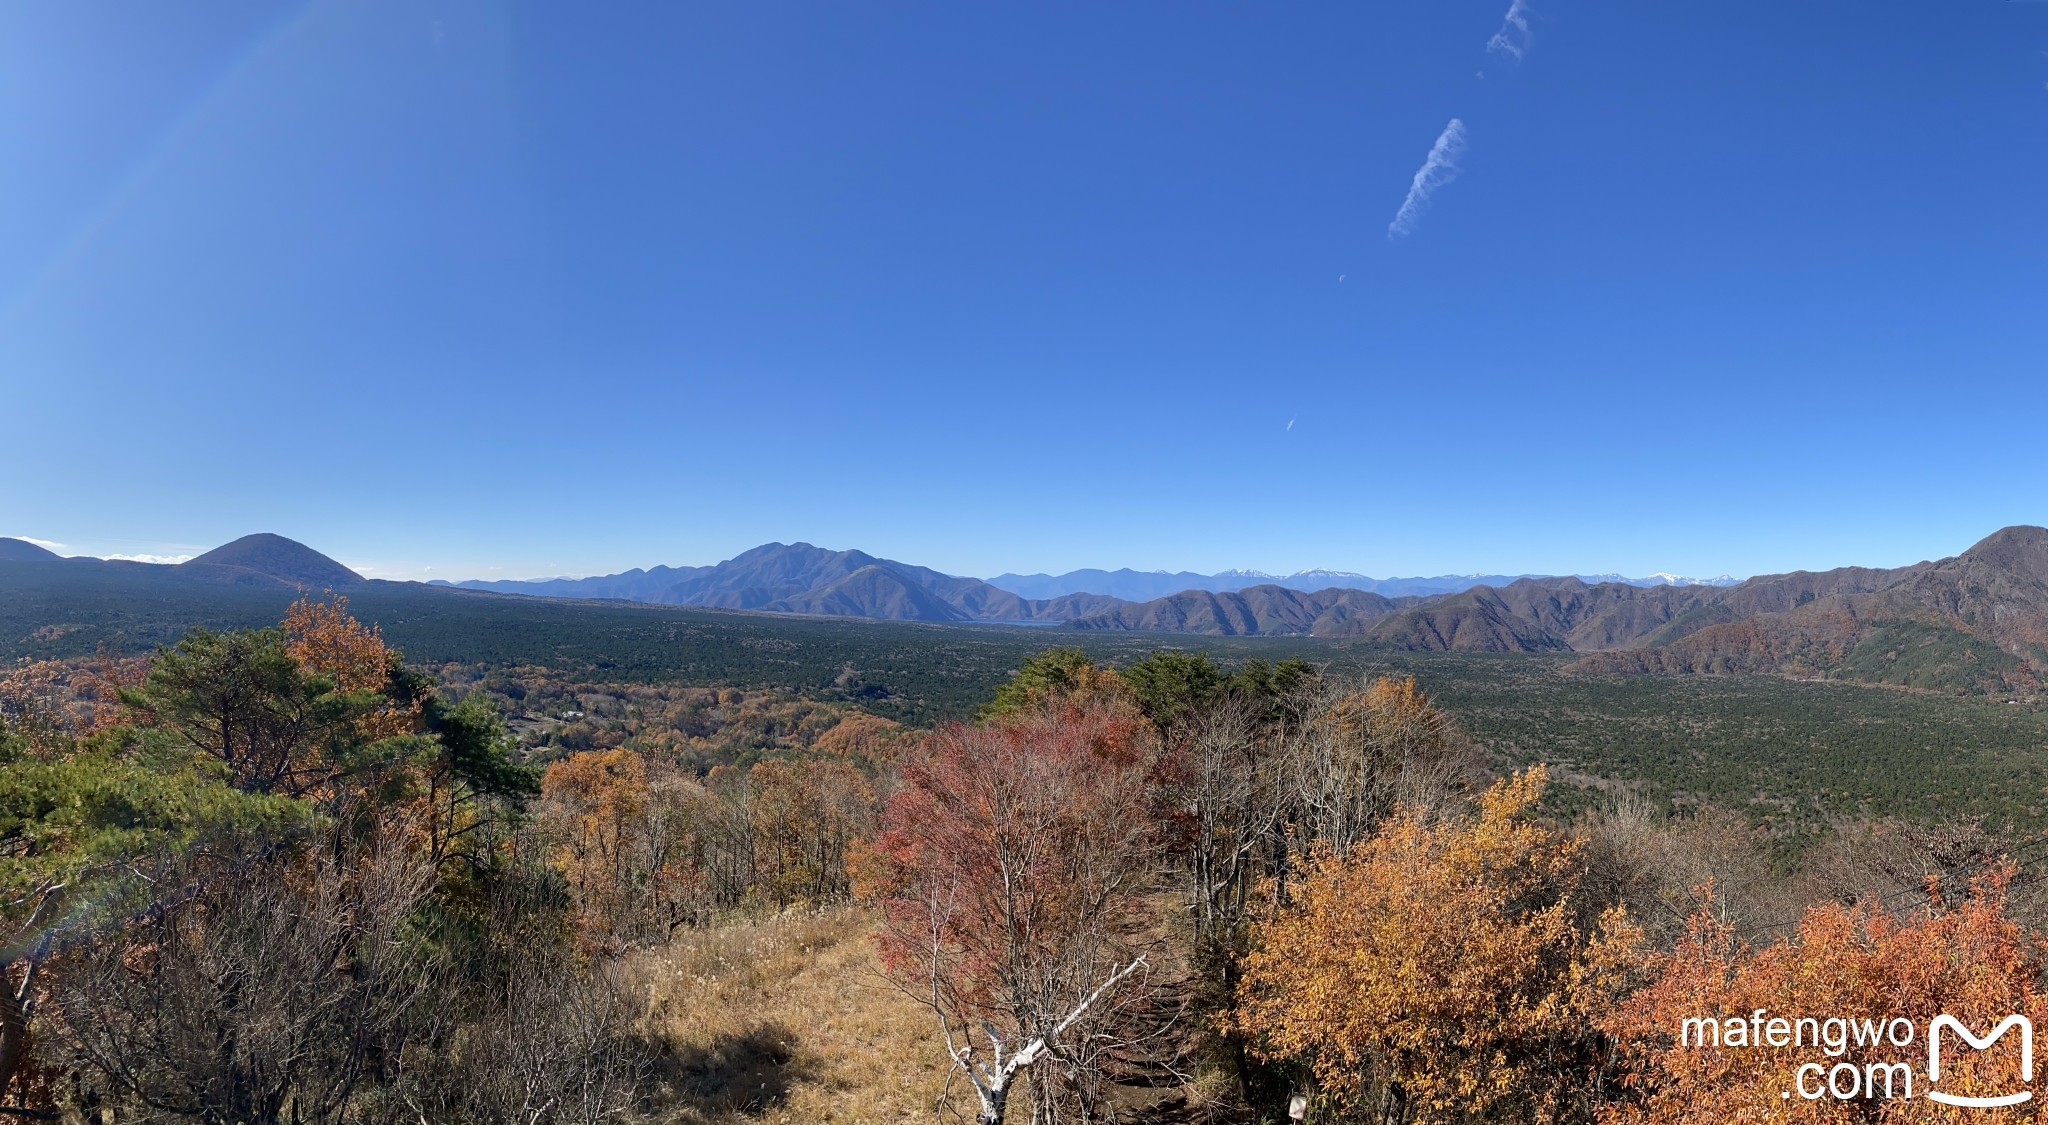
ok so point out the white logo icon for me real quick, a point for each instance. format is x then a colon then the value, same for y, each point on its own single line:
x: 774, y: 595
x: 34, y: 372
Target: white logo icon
x: 2026, y: 1058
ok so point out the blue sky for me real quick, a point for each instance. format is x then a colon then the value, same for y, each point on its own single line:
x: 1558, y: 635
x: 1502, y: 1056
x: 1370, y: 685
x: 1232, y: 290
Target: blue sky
x: 516, y: 289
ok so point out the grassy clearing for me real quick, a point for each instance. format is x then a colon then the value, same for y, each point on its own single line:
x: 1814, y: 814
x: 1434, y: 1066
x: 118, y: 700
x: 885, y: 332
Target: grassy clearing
x: 789, y: 1020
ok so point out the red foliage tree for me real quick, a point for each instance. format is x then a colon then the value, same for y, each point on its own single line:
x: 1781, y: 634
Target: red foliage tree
x: 1010, y: 870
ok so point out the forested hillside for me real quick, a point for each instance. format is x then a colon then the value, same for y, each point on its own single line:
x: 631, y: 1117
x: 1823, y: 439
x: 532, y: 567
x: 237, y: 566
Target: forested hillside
x: 21, y: 550
x: 1794, y: 757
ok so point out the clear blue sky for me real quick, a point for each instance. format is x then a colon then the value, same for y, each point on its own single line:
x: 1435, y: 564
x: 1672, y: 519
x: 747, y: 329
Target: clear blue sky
x: 513, y: 289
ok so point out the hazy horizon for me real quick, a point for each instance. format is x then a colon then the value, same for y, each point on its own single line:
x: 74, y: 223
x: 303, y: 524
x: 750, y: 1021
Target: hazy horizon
x: 179, y: 552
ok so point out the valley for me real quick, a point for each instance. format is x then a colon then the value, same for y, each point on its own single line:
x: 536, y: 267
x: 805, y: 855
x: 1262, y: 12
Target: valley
x: 1978, y: 621
x: 1792, y: 753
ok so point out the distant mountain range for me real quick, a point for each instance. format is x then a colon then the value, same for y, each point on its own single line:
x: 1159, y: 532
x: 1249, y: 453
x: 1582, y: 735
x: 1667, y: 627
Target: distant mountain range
x: 1974, y: 622
x: 800, y: 578
x: 1144, y: 585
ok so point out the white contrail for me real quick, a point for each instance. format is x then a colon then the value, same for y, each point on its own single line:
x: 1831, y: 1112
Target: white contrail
x: 1513, y: 37
x: 1441, y: 168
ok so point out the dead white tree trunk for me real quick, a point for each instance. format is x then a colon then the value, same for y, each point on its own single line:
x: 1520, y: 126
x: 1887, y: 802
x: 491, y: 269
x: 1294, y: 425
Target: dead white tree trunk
x: 992, y: 1080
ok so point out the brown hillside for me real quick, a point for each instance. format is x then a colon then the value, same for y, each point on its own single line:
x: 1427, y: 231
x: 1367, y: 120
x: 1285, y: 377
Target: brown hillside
x: 1542, y: 615
x: 1530, y: 615
x: 871, y: 591
x: 788, y: 1019
x: 1254, y: 611
x: 1975, y: 622
x: 1997, y: 590
x: 1478, y: 620
x: 1807, y: 642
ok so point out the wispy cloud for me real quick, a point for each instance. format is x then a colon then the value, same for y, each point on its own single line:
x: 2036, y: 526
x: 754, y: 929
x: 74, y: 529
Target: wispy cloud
x: 1439, y: 169
x: 45, y: 544
x: 154, y: 558
x: 1513, y: 37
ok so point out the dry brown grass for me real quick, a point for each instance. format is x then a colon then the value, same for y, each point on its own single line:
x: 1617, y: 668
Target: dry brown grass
x: 789, y: 1020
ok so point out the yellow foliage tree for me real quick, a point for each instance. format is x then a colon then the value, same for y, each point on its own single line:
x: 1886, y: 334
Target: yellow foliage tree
x: 594, y: 810
x: 804, y: 816
x: 647, y: 849
x: 1363, y: 752
x: 1438, y: 972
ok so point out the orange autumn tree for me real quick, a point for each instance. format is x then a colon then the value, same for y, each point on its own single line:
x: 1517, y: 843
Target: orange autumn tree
x: 323, y: 637
x: 594, y: 808
x: 621, y: 834
x: 864, y: 740
x: 1848, y: 963
x: 1440, y: 971
x: 428, y: 766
